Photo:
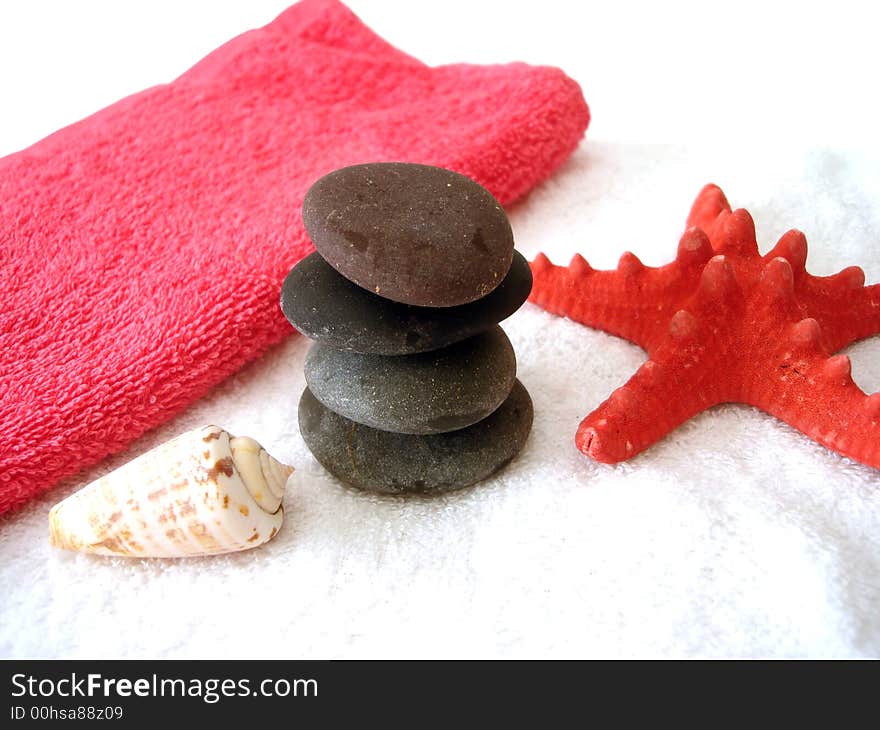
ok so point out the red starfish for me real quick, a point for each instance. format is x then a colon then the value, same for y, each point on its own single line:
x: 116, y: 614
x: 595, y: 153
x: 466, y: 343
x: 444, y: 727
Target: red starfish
x: 723, y: 324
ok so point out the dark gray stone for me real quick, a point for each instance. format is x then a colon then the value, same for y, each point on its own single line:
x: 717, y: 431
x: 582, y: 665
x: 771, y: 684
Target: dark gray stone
x: 395, y: 463
x: 328, y: 308
x: 412, y: 233
x: 432, y: 392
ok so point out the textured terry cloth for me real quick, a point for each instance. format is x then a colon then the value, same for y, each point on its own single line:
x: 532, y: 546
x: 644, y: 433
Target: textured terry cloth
x: 734, y: 536
x: 143, y: 248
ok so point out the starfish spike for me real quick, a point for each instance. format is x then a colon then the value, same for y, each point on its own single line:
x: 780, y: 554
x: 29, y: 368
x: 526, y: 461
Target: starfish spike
x: 723, y: 324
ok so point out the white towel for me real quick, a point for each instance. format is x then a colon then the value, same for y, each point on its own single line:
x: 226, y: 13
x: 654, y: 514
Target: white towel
x: 734, y: 536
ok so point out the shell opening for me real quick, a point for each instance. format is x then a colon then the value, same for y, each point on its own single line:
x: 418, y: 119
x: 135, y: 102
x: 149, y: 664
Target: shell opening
x: 263, y: 476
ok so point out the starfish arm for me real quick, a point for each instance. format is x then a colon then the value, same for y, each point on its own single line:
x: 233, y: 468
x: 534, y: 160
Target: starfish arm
x: 844, y: 307
x: 866, y: 319
x: 664, y: 393
x: 634, y: 301
x: 846, y: 310
x: 816, y: 394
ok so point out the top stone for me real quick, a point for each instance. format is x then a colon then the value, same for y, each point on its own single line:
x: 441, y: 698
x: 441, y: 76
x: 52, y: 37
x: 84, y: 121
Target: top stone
x: 415, y: 234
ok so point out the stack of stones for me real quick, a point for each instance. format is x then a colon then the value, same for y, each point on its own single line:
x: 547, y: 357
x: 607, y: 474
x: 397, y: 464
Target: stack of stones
x: 411, y: 382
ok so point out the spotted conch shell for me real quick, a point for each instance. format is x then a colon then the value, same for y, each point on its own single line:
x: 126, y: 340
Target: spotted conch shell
x: 202, y: 493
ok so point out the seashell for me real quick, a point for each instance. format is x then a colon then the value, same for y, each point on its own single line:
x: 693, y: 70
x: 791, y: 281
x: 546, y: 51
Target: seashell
x: 202, y: 493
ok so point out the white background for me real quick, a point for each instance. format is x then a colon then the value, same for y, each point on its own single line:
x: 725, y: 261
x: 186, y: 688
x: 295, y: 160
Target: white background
x: 734, y: 536
x: 653, y: 72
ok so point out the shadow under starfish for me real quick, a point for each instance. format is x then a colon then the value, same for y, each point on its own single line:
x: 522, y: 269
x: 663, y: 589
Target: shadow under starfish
x: 723, y: 324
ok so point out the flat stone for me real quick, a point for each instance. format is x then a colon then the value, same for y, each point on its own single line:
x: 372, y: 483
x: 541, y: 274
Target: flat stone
x: 395, y: 463
x: 432, y: 392
x: 328, y: 308
x: 412, y: 233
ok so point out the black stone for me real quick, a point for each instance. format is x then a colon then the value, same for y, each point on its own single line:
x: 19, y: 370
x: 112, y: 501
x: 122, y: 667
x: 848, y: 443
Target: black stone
x: 412, y: 233
x: 395, y: 463
x: 432, y: 392
x: 328, y: 308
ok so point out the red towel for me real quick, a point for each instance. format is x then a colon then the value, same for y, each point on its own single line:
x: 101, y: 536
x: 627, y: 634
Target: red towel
x: 142, y: 249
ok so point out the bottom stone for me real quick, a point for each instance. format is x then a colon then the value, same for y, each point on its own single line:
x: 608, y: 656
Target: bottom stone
x: 396, y: 463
